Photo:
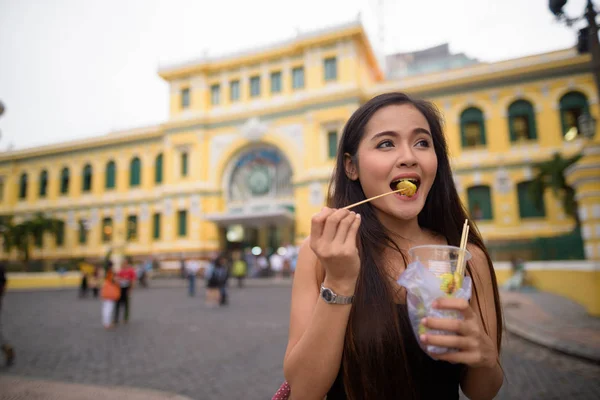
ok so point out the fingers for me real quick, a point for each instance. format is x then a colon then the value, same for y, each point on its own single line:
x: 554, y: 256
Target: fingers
x: 344, y: 227
x: 317, y: 223
x: 449, y: 303
x: 457, y: 326
x: 332, y: 224
x: 450, y: 341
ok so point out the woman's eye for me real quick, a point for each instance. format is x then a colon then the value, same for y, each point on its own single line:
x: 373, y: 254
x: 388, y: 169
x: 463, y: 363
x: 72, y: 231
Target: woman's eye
x: 422, y: 143
x: 385, y: 143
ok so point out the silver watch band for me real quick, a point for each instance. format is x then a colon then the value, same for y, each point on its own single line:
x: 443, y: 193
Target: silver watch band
x: 330, y: 297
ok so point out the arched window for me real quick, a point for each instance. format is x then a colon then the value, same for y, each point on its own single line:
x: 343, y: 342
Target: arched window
x: 480, y: 202
x: 472, y: 127
x: 521, y: 121
x: 87, y: 178
x: 135, y: 174
x: 111, y: 170
x: 64, y: 181
x: 23, y: 186
x: 43, y: 183
x: 527, y: 207
x: 158, y: 169
x: 572, y: 106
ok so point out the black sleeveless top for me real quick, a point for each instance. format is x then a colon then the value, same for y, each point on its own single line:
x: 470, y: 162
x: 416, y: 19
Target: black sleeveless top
x: 437, y: 379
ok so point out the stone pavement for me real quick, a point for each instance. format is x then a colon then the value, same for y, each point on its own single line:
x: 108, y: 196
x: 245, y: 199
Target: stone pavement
x: 20, y: 388
x: 552, y: 321
x: 175, y: 345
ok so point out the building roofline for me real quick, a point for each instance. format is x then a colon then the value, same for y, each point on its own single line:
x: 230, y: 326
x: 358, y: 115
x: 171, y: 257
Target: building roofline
x: 302, y: 39
x: 114, y: 137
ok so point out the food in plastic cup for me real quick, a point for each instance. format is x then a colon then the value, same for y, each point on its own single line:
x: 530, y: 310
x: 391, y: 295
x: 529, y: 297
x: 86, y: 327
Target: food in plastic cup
x: 439, y: 259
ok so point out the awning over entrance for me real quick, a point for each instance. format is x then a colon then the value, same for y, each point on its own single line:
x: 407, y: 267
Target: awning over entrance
x: 253, y: 219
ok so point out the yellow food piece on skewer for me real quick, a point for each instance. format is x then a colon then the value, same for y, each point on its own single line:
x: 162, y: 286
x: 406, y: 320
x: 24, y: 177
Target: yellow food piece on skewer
x: 448, y: 283
x: 408, y: 188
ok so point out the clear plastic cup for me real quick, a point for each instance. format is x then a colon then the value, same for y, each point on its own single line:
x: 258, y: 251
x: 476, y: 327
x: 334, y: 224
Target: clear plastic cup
x: 438, y: 259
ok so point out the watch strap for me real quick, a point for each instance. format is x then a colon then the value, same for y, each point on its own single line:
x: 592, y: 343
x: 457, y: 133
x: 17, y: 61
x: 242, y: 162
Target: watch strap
x: 335, y: 298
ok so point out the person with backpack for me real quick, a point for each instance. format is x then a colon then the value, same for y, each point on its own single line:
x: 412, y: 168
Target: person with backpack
x: 216, y: 279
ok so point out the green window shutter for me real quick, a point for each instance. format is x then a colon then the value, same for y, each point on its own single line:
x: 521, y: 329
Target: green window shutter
x: 82, y: 232
x: 332, y: 144
x: 215, y: 94
x: 135, y: 172
x: 132, y: 227
x: 182, y: 223
x: 158, y: 169
x: 43, y: 183
x: 87, y: 178
x: 107, y: 227
x: 185, y: 97
x: 255, y: 86
x: 572, y: 105
x: 184, y: 164
x: 521, y: 119
x: 330, y: 67
x: 23, y: 186
x: 527, y: 208
x: 60, y: 233
x: 156, y: 226
x: 480, y: 202
x: 298, y: 78
x: 275, y: 82
x: 472, y: 128
x: 64, y: 181
x: 110, y: 175
x: 234, y: 90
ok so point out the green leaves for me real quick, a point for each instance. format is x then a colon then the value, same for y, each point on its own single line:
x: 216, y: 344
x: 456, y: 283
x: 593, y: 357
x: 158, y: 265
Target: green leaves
x: 551, y: 174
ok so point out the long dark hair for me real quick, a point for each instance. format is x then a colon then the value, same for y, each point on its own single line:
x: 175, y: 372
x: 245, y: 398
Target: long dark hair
x: 373, y: 344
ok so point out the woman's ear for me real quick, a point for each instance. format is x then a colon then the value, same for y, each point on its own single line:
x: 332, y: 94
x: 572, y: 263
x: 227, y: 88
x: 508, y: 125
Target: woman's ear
x: 350, y: 167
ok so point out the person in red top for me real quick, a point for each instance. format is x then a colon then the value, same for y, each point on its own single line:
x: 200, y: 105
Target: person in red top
x: 125, y: 277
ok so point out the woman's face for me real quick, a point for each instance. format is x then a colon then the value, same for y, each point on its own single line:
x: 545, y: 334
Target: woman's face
x: 397, y: 143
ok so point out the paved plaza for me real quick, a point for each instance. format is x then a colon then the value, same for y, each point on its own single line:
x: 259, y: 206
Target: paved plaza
x: 173, y: 344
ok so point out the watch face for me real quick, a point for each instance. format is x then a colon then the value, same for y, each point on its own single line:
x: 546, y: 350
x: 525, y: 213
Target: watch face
x: 327, y: 295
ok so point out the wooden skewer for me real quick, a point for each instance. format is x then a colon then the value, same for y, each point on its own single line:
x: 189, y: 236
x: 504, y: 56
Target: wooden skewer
x: 373, y: 198
x: 460, y: 264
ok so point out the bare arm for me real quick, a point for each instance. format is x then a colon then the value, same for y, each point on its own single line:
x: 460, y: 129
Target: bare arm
x: 483, y: 382
x: 317, y: 329
x: 477, y: 348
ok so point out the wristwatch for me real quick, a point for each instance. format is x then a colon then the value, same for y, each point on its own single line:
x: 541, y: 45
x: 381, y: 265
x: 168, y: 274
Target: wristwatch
x: 331, y: 297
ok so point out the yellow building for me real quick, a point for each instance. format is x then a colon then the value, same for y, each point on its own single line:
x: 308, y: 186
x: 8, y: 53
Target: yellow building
x: 247, y: 152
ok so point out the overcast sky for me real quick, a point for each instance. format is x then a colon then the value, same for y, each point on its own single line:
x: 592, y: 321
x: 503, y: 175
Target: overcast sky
x: 71, y: 69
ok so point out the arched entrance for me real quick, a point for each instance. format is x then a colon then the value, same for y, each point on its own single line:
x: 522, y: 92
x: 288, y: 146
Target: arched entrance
x: 259, y: 200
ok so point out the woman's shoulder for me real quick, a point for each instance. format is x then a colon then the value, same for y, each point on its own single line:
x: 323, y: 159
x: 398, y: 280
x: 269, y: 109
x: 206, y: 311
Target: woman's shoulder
x: 480, y: 265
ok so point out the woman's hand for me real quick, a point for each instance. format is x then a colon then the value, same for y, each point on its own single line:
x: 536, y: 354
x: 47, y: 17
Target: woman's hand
x: 475, y: 348
x: 333, y: 240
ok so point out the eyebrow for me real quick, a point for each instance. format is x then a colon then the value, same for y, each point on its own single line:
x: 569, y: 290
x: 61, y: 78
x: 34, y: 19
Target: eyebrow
x: 415, y: 131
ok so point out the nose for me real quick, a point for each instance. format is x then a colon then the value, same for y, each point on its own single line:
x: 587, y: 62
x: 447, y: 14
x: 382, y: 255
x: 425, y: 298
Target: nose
x: 406, y: 157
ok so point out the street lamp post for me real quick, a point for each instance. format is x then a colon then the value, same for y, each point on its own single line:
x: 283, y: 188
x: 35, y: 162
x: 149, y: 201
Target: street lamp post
x: 588, y: 37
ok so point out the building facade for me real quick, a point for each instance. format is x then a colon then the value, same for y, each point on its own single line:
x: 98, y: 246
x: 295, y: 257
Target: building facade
x: 246, y: 154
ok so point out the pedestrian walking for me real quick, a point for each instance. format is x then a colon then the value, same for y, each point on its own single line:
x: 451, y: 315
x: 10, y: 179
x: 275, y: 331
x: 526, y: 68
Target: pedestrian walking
x: 239, y: 268
x: 111, y: 292
x: 126, y: 278
x: 192, y: 267
x: 7, y: 349
x: 216, y: 279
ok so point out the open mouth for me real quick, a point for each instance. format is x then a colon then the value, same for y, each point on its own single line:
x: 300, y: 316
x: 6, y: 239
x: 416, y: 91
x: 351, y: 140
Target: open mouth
x: 415, y: 181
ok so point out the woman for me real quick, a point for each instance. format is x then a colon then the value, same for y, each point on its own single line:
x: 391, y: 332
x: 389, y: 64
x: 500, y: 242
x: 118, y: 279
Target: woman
x: 110, y: 294
x: 366, y: 349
